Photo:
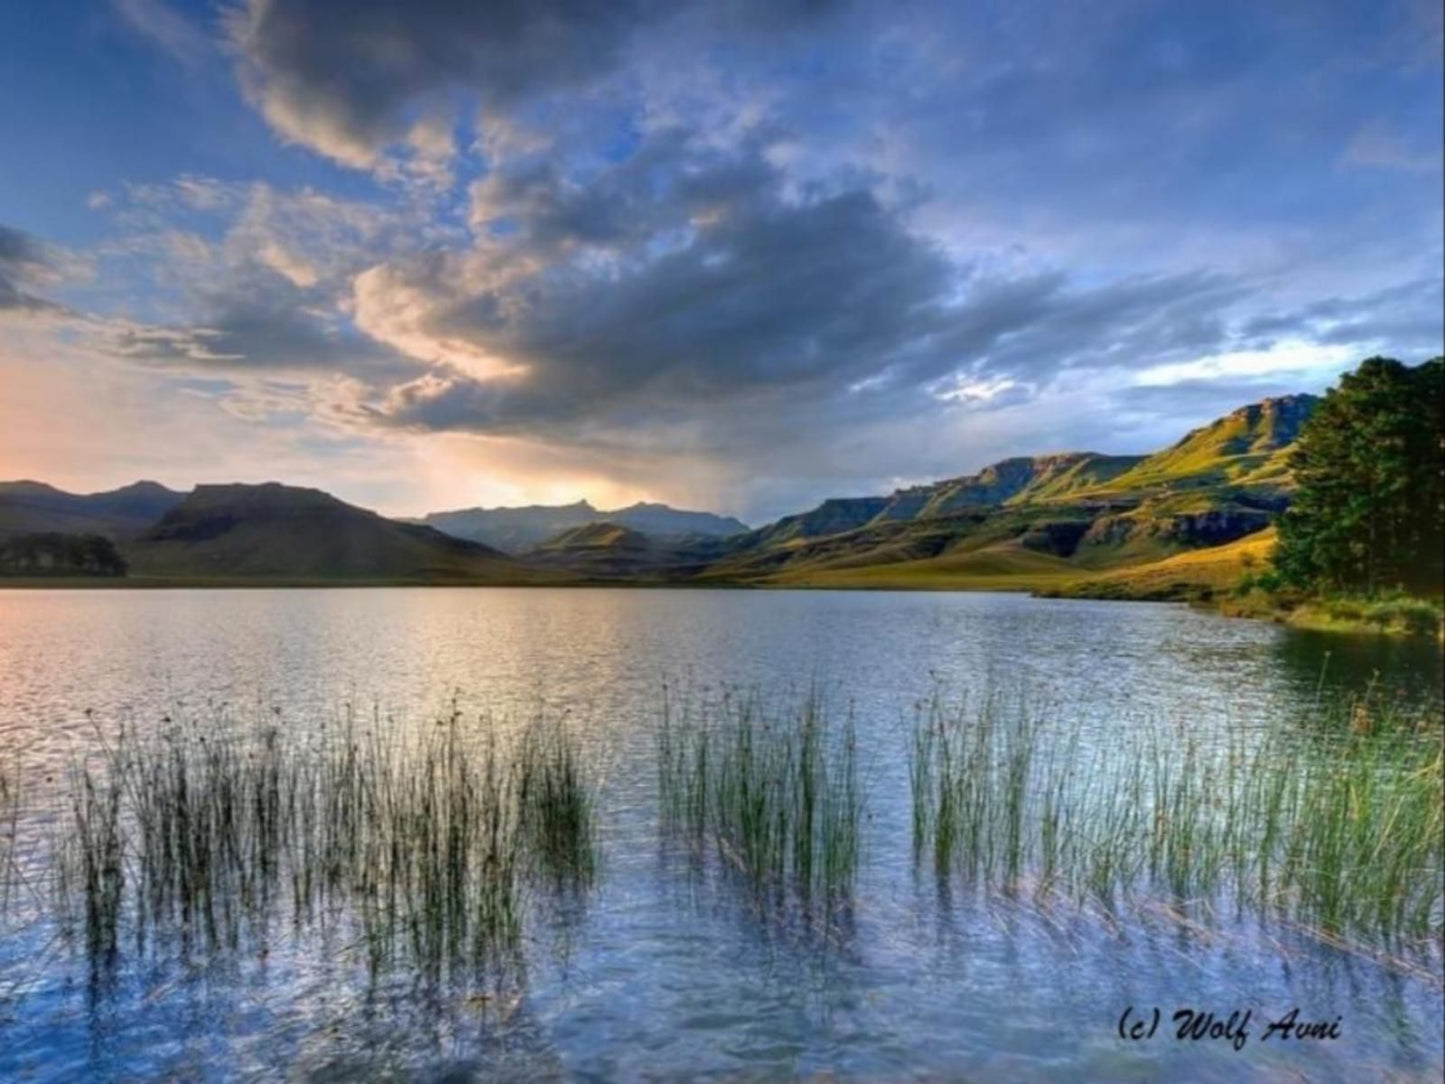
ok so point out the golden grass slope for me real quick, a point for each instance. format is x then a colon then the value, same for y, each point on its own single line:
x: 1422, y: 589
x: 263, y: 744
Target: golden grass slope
x: 1005, y: 566
x: 1194, y: 575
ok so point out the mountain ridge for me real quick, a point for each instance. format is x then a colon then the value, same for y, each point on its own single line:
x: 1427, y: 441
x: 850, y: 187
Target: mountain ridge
x: 1021, y: 521
x: 516, y: 530
x: 30, y: 507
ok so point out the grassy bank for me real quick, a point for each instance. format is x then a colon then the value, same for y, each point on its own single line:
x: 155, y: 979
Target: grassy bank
x: 1394, y: 616
x: 1005, y: 566
x: 1227, y: 578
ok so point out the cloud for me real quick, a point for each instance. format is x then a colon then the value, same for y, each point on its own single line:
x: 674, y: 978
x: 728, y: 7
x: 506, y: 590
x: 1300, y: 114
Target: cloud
x: 1407, y: 318
x: 246, y: 278
x: 350, y: 80
x: 1381, y: 147
x: 691, y: 307
x: 167, y: 29
x: 687, y: 280
x: 25, y: 263
x: 755, y: 253
x: 705, y: 282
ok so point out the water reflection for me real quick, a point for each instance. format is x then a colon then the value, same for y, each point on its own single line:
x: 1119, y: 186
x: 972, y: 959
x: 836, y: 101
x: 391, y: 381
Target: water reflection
x: 1405, y: 672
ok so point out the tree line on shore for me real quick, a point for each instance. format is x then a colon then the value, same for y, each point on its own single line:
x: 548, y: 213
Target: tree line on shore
x: 1368, y: 511
x: 51, y: 553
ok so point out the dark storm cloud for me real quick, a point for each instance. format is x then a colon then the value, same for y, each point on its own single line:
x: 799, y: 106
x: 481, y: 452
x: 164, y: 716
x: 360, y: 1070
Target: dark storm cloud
x: 772, y: 296
x: 687, y: 280
x: 349, y: 77
x: 251, y: 326
x: 255, y: 335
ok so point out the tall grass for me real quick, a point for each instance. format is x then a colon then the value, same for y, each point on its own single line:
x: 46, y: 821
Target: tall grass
x: 9, y: 833
x: 423, y: 846
x: 1342, y: 833
x: 775, y: 793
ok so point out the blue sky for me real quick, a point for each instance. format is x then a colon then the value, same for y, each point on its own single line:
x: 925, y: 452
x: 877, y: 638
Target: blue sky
x: 737, y: 254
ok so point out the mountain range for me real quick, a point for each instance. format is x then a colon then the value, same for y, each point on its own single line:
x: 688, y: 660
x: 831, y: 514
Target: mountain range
x: 516, y: 530
x: 34, y: 508
x: 1049, y: 522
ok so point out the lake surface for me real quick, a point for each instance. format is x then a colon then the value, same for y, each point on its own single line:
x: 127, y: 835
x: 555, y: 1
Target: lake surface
x: 659, y: 974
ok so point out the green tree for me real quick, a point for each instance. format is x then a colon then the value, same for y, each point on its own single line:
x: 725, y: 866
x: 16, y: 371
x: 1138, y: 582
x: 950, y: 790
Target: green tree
x: 1369, y: 469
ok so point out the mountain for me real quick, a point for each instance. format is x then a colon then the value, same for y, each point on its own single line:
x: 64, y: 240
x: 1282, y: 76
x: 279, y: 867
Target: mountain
x: 1010, y: 481
x: 37, y: 508
x: 281, y: 532
x: 1245, y: 447
x: 1069, y: 521
x: 1040, y: 519
x: 517, y: 530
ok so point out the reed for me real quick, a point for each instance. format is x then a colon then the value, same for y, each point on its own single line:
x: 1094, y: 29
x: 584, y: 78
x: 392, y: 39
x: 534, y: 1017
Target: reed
x: 10, y: 804
x: 425, y: 846
x: 1341, y: 831
x: 775, y: 793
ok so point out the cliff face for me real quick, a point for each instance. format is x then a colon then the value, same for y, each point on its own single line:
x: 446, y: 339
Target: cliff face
x: 1188, y: 529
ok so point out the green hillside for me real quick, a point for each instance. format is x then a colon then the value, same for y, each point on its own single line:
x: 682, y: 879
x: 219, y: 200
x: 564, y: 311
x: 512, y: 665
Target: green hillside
x: 1245, y: 447
x: 1041, y: 520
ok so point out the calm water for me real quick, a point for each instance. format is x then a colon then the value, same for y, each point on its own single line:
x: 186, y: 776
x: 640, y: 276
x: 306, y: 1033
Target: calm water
x: 660, y: 975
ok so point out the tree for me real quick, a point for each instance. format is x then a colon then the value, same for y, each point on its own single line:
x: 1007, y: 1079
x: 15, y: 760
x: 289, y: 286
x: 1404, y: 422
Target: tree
x: 1369, y: 470
x: 53, y: 554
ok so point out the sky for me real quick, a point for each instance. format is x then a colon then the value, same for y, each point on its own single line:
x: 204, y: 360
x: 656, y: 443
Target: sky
x: 738, y: 255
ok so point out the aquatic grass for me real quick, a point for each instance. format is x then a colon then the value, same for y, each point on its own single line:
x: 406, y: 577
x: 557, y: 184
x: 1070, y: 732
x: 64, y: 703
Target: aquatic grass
x: 776, y: 793
x: 423, y: 846
x: 558, y: 809
x: 1341, y: 833
x: 9, y: 833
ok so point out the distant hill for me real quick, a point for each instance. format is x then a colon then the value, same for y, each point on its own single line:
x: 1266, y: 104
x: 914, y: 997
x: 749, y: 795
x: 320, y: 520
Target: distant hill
x: 662, y: 521
x: 517, y: 530
x: 611, y: 551
x: 834, y: 516
x: 281, y: 532
x: 37, y: 508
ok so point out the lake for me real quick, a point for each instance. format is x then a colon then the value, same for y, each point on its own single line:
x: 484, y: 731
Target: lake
x: 660, y: 970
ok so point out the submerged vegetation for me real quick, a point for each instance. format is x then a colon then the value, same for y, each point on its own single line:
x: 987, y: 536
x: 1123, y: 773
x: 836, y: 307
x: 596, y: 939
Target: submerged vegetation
x: 775, y: 793
x: 421, y: 847
x: 1342, y: 834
